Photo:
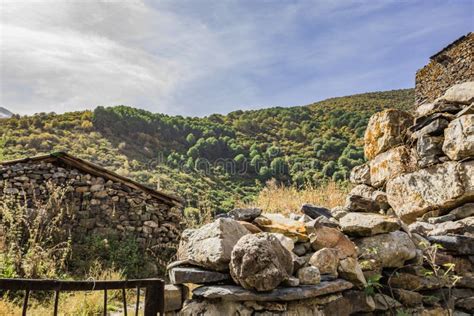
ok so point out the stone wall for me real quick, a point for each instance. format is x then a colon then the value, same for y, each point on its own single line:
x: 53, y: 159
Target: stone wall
x: 403, y: 242
x: 100, y: 207
x: 455, y: 64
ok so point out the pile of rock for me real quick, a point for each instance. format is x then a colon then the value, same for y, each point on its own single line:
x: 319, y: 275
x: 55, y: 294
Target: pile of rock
x: 253, y: 262
x: 403, y: 240
x: 421, y: 173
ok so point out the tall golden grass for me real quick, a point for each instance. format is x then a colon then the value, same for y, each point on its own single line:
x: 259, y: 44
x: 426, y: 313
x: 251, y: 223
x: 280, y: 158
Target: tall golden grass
x: 275, y: 198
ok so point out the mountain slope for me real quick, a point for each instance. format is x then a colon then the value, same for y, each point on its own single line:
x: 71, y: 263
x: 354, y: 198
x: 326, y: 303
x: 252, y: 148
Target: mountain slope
x: 4, y: 113
x: 216, y: 160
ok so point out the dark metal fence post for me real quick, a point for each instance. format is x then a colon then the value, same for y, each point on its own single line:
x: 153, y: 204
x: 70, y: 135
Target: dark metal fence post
x: 124, y: 301
x: 25, y: 302
x: 152, y: 297
x: 137, y: 304
x: 105, y: 302
x: 56, y: 302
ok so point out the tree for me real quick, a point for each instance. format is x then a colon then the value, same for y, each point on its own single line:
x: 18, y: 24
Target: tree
x: 265, y: 173
x: 329, y: 169
x: 193, y: 152
x: 191, y: 139
x: 279, y: 166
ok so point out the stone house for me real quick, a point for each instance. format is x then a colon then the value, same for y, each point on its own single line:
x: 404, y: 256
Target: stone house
x: 452, y: 65
x: 103, y: 203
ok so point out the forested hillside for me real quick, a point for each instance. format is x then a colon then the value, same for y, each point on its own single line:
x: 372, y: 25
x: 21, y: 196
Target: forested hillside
x: 212, y: 161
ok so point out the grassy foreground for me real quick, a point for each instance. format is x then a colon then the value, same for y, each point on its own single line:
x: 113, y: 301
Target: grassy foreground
x: 273, y: 198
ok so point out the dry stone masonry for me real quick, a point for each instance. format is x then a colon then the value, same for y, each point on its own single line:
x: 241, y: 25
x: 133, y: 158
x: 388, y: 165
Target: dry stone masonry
x: 452, y: 65
x: 402, y: 243
x: 100, y: 206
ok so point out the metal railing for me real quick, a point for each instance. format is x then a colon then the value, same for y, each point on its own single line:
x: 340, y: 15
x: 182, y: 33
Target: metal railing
x: 154, y: 294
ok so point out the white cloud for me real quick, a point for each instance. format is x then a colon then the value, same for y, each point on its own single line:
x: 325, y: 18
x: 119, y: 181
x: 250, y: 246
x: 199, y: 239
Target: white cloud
x: 203, y: 56
x: 72, y: 55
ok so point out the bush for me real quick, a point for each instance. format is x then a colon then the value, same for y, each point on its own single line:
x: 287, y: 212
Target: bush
x: 112, y: 253
x: 38, y: 238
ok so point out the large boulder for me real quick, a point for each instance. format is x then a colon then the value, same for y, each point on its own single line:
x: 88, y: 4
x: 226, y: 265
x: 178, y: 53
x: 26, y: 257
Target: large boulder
x: 385, y: 130
x: 328, y: 237
x: 260, y: 262
x: 390, y: 164
x: 443, y: 186
x: 460, y: 93
x: 211, y: 245
x: 368, y: 224
x: 387, y: 250
x: 459, y: 138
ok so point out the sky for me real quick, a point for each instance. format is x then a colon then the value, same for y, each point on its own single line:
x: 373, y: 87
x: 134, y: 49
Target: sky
x: 198, y: 57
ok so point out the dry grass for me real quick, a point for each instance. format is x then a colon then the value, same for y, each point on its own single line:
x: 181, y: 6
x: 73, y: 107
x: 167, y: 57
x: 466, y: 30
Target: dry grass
x: 276, y: 198
x: 36, y: 235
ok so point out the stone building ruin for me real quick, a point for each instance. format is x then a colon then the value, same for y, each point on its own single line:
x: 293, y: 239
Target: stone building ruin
x: 103, y: 202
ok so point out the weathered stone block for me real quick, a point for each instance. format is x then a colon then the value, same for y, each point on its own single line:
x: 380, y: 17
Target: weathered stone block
x: 442, y: 186
x: 326, y: 260
x: 180, y: 275
x: 309, y: 275
x: 360, y: 174
x: 237, y: 293
x: 327, y: 237
x: 245, y: 214
x: 390, y: 164
x: 429, y: 149
x: 460, y: 93
x: 459, y: 138
x: 349, y: 269
x: 463, y: 245
x: 387, y: 250
x: 366, y: 224
x: 173, y: 297
x: 385, y: 130
x: 211, y: 245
